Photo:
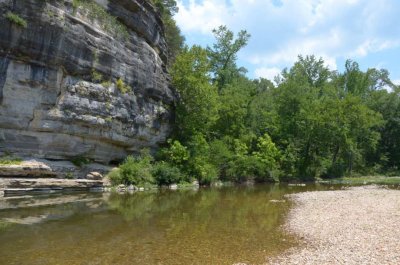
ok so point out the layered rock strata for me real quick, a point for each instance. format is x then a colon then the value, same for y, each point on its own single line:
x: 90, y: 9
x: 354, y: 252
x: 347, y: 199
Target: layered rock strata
x: 71, y: 86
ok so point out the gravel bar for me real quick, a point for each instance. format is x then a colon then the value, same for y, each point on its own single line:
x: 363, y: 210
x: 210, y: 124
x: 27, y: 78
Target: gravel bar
x: 359, y: 225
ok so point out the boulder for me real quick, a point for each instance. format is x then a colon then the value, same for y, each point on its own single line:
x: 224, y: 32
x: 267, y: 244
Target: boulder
x: 94, y: 176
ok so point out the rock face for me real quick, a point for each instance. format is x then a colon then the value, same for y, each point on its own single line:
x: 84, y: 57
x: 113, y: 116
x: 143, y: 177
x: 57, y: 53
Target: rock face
x: 63, y: 79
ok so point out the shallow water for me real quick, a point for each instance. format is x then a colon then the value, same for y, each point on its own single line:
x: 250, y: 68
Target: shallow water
x: 209, y: 226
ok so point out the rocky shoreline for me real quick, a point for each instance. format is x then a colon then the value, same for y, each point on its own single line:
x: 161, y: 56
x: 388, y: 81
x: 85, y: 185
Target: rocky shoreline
x: 352, y: 226
x: 39, y: 176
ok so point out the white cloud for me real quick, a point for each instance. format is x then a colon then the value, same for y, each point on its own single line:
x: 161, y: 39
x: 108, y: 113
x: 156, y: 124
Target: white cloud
x: 268, y: 73
x: 332, y: 29
x: 374, y: 45
x: 201, y: 17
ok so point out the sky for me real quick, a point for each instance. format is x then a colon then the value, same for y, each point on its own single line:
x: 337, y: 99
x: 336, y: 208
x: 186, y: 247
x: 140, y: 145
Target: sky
x: 365, y: 31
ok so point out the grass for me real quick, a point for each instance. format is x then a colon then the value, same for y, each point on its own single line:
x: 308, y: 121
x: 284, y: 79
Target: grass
x: 10, y: 160
x: 366, y: 180
x: 107, y: 83
x: 97, y: 77
x: 16, y: 19
x: 124, y: 88
x: 108, y: 22
x: 5, y: 225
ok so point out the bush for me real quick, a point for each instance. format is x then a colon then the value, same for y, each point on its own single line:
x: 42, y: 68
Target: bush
x: 176, y: 153
x: 124, y: 88
x: 203, y: 171
x: 248, y: 168
x: 136, y: 171
x: 115, y: 176
x: 166, y: 174
x: 97, y: 77
x: 10, y: 160
x: 80, y: 161
x: 16, y: 19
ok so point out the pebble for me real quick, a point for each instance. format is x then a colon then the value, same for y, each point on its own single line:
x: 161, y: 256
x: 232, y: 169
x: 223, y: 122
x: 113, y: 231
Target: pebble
x: 352, y: 226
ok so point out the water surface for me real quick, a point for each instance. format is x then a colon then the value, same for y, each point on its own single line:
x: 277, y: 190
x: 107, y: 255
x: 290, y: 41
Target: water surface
x: 208, y: 226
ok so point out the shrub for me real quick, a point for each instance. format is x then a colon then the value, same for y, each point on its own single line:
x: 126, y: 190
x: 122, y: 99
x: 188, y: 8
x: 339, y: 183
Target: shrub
x: 176, y: 153
x: 96, y: 76
x: 108, y: 22
x: 248, y: 168
x: 206, y: 173
x: 16, y: 19
x: 10, y: 160
x: 136, y: 171
x: 80, y: 161
x: 220, y: 155
x: 166, y: 174
x: 115, y: 176
x: 69, y: 175
x: 124, y: 88
x: 106, y: 83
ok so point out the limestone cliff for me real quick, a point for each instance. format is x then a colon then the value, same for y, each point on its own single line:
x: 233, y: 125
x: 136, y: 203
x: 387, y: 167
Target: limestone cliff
x: 82, y: 79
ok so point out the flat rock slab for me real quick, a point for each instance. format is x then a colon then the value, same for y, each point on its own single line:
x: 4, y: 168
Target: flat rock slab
x: 354, y: 226
x: 17, y: 186
x: 28, y: 168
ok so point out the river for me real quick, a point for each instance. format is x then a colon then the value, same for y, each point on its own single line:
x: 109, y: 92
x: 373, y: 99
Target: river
x: 225, y: 225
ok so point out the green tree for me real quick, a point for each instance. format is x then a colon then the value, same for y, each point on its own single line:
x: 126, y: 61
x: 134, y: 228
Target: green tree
x: 223, y: 55
x: 174, y: 38
x: 196, y: 110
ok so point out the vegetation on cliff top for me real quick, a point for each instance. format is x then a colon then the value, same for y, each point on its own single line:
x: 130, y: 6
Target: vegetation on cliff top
x: 174, y: 38
x: 109, y: 23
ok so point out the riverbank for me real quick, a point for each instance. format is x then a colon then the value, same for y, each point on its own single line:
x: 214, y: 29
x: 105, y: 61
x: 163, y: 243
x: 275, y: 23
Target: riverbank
x: 358, y: 225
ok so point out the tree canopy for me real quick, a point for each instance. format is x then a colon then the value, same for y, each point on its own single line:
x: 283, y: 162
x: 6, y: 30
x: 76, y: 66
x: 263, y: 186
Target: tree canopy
x: 310, y: 123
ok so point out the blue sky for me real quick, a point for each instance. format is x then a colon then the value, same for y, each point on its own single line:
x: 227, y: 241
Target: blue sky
x: 366, y: 31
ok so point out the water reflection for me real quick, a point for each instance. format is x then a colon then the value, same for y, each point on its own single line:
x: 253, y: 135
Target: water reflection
x: 209, y: 226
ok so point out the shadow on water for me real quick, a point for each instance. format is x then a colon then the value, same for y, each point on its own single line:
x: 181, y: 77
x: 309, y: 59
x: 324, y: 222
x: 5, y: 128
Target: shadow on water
x: 209, y: 226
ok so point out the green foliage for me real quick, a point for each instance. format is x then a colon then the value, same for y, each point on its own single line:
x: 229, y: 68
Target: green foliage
x: 80, y: 161
x: 266, y: 152
x: 223, y: 54
x: 248, y: 167
x: 107, y: 83
x: 197, y: 109
x: 136, y: 170
x: 16, y: 19
x: 9, y: 159
x: 96, y: 76
x: 166, y: 174
x: 176, y: 154
x: 122, y: 87
x: 312, y: 123
x: 174, y: 38
x: 94, y: 11
x: 69, y: 175
x: 115, y: 176
x: 205, y: 172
